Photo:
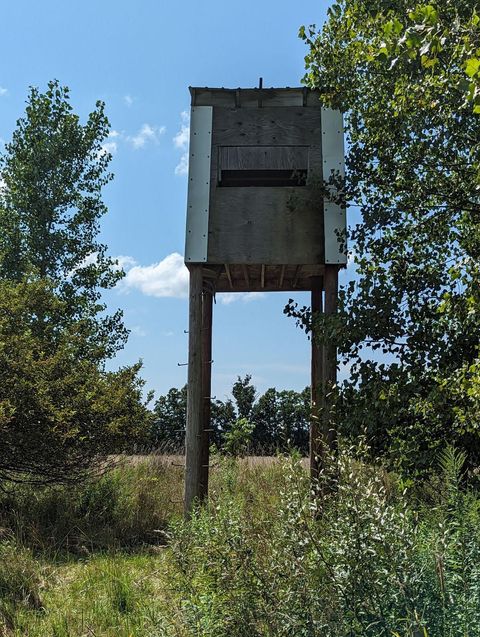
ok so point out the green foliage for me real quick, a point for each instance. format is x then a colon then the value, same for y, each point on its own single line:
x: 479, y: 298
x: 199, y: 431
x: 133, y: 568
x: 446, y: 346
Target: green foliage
x: 260, y: 559
x: 54, y: 170
x: 237, y: 438
x: 244, y: 393
x: 409, y: 324
x: 170, y: 413
x: 361, y: 562
x: 280, y: 419
x: 129, y: 505
x: 59, y: 412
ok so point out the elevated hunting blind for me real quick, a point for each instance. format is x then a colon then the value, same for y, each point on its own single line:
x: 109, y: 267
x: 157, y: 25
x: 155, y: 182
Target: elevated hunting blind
x: 264, y: 213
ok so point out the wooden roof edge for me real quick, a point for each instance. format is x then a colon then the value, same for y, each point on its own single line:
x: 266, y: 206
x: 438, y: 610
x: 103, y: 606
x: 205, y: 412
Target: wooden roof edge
x: 254, y: 88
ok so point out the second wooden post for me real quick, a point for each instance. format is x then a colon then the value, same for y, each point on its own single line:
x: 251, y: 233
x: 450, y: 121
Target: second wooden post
x: 194, y: 427
x: 207, y: 311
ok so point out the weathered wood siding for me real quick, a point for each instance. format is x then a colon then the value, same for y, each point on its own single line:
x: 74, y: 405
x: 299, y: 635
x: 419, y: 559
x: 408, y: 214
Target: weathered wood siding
x: 268, y: 126
x: 279, y: 225
x: 265, y: 225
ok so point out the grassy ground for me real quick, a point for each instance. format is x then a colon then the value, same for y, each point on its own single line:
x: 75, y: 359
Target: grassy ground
x: 116, y: 595
x: 95, y: 560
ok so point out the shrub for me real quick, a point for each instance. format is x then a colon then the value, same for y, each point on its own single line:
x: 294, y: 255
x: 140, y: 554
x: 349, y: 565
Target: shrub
x: 130, y: 504
x: 361, y: 561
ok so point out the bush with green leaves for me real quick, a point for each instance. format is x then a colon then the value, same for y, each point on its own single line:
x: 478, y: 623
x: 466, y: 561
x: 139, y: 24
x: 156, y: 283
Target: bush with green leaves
x: 237, y: 439
x: 130, y: 505
x: 360, y: 561
x: 59, y: 410
x: 406, y: 76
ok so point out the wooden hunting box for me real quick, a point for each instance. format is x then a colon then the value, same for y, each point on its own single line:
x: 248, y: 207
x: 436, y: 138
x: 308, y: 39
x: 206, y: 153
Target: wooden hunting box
x: 264, y: 170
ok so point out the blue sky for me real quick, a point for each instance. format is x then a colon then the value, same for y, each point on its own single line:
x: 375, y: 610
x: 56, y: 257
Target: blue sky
x: 140, y: 57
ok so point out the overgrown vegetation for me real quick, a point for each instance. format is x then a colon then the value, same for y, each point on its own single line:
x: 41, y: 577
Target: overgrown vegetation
x: 368, y: 560
x: 60, y: 411
x: 366, y: 551
x: 406, y: 76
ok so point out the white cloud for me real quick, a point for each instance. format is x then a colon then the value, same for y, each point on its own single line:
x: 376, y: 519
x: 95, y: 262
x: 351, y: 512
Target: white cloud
x: 181, y: 141
x: 168, y: 278
x: 125, y: 262
x: 109, y: 147
x: 3, y: 91
x: 182, y: 138
x: 128, y: 99
x: 147, y: 133
x: 114, y: 133
x: 182, y: 167
x: 246, y: 297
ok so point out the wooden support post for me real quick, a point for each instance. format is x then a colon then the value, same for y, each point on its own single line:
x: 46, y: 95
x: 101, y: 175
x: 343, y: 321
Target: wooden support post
x: 316, y: 442
x: 193, y: 456
x: 207, y: 311
x: 330, y: 358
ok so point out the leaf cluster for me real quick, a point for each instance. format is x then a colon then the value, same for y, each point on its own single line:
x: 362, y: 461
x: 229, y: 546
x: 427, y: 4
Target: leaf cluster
x: 411, y: 316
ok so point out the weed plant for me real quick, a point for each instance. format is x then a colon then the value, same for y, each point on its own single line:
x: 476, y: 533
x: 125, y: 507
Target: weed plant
x: 357, y: 561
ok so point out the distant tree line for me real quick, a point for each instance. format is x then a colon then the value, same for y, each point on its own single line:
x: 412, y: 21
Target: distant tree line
x: 275, y: 421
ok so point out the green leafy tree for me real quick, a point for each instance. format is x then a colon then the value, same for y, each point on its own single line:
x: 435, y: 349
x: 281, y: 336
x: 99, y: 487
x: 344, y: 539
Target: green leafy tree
x: 53, y: 172
x: 293, y: 418
x: 170, y: 416
x: 407, y: 80
x: 276, y: 421
x: 281, y: 421
x: 170, y: 412
x: 264, y: 415
x: 244, y: 394
x: 237, y: 438
x: 59, y: 412
x: 223, y: 415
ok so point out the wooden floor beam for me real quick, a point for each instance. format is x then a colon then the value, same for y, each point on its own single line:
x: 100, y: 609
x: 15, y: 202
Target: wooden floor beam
x: 229, y: 276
